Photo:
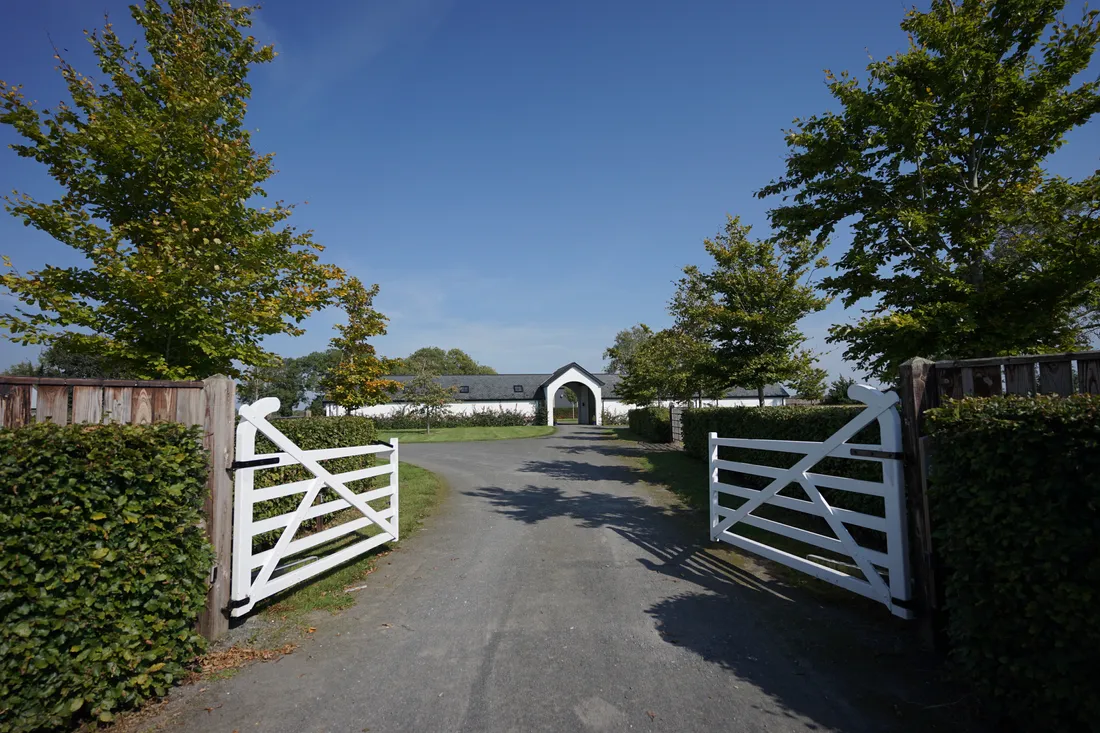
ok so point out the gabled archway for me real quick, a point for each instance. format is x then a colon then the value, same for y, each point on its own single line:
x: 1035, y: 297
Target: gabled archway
x: 574, y: 373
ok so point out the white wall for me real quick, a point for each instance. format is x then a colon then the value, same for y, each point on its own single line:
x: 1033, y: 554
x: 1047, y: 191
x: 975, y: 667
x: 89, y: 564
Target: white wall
x: 618, y: 407
x: 455, y: 408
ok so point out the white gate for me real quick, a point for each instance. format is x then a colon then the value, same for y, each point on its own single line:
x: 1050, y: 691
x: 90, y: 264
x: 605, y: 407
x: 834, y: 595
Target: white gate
x: 893, y: 591
x: 257, y: 575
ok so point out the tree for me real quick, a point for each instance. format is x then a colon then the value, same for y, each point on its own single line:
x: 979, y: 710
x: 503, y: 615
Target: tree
x: 810, y: 384
x: 838, y: 392
x: 438, y: 361
x: 358, y: 379
x: 747, y: 308
x: 966, y: 245
x: 314, y: 368
x: 23, y: 369
x: 671, y: 365
x: 183, y: 274
x: 428, y: 397
x: 60, y: 360
x: 282, y: 379
x: 571, y: 396
x: 626, y: 344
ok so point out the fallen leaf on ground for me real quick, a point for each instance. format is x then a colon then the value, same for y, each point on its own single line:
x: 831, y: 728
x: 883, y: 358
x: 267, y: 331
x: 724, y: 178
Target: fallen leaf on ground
x: 235, y: 657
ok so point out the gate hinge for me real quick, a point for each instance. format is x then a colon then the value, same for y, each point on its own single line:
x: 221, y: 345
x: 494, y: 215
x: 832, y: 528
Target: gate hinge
x: 381, y: 442
x: 253, y: 463
x: 866, y: 453
x: 239, y: 603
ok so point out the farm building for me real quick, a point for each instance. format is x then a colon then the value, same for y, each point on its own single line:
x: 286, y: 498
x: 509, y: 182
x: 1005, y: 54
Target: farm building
x: 595, y: 394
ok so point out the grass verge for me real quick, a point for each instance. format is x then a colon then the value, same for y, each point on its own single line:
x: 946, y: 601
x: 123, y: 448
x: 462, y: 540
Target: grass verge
x: 455, y: 435
x: 686, y: 477
x: 420, y: 491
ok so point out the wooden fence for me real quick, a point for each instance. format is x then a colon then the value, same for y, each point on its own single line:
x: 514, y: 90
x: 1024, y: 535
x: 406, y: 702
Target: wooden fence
x: 926, y: 384
x: 209, y: 403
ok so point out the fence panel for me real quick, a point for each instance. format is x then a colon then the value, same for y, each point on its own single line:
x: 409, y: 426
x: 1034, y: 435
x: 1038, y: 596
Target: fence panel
x: 88, y: 404
x: 53, y: 404
x: 1056, y: 377
x: 1088, y: 375
x: 1020, y: 379
x: 117, y: 401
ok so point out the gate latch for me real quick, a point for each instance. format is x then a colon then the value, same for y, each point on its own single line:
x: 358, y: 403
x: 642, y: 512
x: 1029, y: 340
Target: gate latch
x: 867, y: 453
x: 253, y: 463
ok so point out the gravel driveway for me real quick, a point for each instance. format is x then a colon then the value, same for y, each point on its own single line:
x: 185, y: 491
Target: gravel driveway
x: 552, y: 591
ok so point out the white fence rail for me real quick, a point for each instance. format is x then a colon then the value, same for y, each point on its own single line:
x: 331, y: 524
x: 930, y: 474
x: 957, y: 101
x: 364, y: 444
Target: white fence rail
x: 867, y: 580
x: 257, y: 575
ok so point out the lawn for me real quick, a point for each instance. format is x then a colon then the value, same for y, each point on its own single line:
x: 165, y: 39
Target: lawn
x: 420, y: 490
x: 455, y: 435
x: 687, y: 477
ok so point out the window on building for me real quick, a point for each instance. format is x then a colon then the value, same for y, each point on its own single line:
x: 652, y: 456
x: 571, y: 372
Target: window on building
x: 464, y: 389
x: 517, y: 387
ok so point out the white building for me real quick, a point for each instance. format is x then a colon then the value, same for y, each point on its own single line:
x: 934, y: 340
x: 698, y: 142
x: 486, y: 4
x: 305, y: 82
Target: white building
x: 523, y: 392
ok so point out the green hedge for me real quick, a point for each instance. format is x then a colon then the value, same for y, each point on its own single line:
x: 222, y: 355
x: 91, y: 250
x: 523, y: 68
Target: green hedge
x: 404, y: 419
x: 810, y: 422
x: 103, y: 568
x: 1015, y: 503
x: 310, y: 433
x: 651, y: 423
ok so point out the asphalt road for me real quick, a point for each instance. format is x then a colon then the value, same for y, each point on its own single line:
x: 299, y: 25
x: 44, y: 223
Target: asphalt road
x: 551, y: 591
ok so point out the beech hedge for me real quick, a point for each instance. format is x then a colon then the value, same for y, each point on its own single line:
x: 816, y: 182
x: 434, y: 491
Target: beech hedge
x: 651, y: 423
x: 310, y: 433
x: 790, y: 422
x: 1015, y: 503
x: 103, y: 568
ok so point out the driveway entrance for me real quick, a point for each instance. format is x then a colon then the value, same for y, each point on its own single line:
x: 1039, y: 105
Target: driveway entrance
x: 555, y: 591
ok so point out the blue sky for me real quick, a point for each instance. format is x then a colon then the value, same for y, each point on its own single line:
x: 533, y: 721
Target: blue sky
x: 522, y: 179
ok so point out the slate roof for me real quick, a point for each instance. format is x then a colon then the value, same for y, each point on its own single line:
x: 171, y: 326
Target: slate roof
x: 501, y: 387
x: 488, y: 387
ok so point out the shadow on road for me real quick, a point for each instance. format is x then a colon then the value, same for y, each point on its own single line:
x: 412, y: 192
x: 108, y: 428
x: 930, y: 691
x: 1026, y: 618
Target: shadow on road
x: 869, y: 658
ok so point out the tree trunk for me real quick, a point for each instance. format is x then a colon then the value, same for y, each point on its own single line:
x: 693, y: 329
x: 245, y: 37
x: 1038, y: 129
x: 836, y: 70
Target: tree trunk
x: 760, y: 394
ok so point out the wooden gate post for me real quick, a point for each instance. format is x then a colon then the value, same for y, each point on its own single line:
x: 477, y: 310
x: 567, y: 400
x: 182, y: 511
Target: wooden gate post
x: 220, y: 395
x: 919, y: 392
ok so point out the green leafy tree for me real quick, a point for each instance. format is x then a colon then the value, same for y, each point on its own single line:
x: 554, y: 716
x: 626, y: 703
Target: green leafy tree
x: 314, y: 368
x: 671, y: 365
x: 23, y: 369
x: 810, y: 384
x: 747, y: 308
x: 571, y: 397
x: 59, y: 360
x: 282, y: 379
x: 358, y: 378
x: 182, y: 273
x: 838, y: 392
x: 428, y: 397
x: 438, y: 361
x: 626, y: 344
x: 962, y: 241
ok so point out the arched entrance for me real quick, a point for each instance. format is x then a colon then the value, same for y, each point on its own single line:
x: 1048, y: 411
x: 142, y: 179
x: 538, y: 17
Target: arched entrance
x: 583, y: 408
x: 584, y: 385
